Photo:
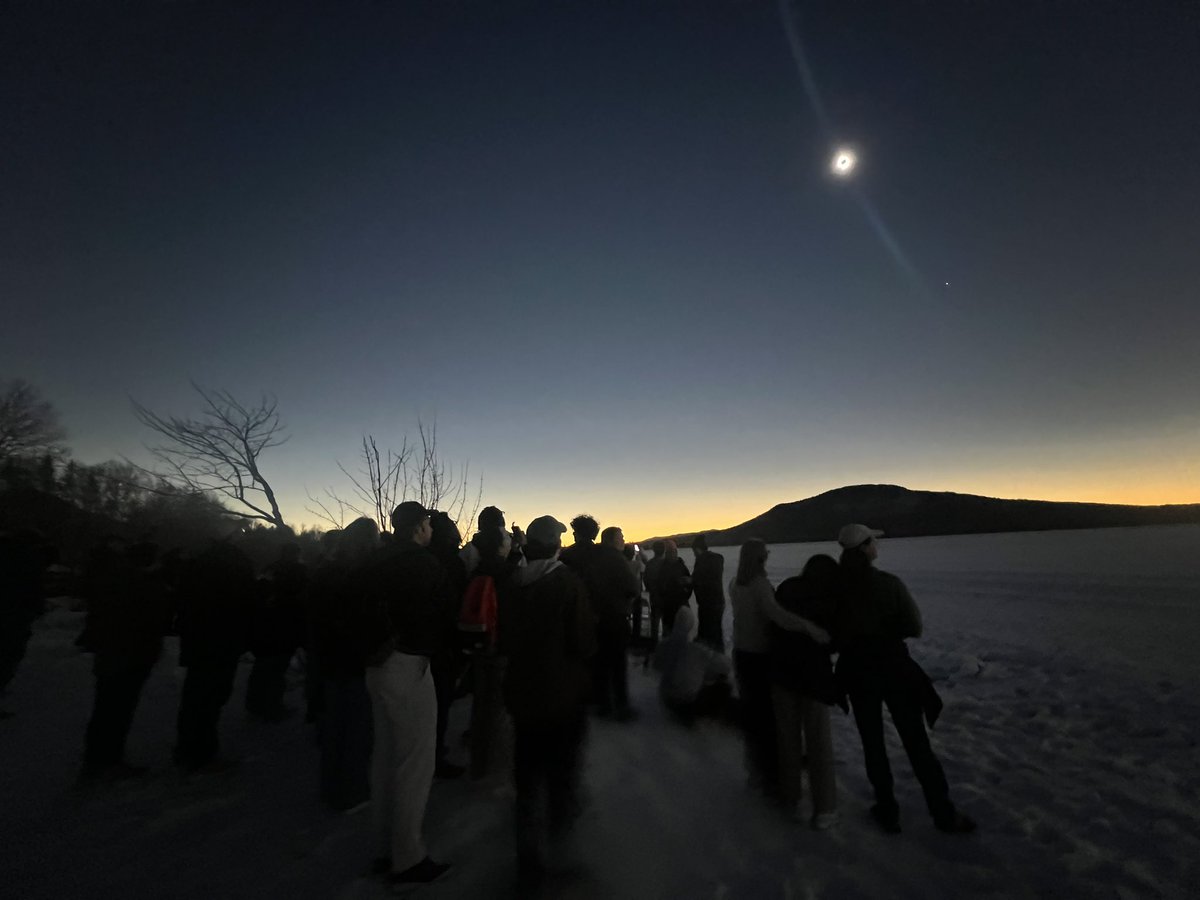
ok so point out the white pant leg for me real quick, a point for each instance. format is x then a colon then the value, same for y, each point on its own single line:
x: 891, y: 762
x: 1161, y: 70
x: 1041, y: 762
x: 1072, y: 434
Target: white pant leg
x: 405, y: 704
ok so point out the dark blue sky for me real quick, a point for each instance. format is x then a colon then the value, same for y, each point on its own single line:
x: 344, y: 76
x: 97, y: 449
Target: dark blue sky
x: 599, y: 242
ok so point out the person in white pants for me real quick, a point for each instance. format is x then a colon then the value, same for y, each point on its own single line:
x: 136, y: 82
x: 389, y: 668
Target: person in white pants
x: 407, y: 582
x: 404, y: 706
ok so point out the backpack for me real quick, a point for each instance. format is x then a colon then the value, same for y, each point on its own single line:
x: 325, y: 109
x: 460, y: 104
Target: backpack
x: 477, y: 616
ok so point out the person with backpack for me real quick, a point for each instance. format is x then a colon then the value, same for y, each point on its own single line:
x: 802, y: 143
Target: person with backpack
x: 478, y: 623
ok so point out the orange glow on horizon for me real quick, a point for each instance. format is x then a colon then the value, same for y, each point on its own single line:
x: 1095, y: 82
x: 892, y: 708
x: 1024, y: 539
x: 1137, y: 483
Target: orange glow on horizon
x: 649, y: 516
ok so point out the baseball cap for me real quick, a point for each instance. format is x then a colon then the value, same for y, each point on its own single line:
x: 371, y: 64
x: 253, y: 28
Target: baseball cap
x: 545, y: 530
x: 856, y: 535
x: 408, y: 515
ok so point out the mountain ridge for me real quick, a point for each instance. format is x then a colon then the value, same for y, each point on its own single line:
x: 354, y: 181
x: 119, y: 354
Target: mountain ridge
x: 901, y: 512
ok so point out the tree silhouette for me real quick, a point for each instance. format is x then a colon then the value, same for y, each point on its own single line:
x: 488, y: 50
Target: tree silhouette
x: 28, y: 424
x: 219, y: 452
x: 416, y: 471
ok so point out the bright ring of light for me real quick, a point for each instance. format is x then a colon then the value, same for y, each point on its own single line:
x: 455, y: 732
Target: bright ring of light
x: 844, y: 162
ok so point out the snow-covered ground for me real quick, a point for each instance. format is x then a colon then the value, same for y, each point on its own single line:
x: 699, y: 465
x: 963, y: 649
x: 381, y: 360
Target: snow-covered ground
x: 1067, y: 662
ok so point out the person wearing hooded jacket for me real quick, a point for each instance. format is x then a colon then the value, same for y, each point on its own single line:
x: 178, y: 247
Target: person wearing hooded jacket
x: 548, y: 634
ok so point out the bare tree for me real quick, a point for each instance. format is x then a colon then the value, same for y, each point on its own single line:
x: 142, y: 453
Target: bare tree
x: 414, y: 472
x: 378, y: 486
x: 219, y: 452
x: 429, y: 480
x: 28, y: 424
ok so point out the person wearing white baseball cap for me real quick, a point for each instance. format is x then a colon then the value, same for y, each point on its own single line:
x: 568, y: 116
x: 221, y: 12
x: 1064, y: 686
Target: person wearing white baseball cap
x: 877, y: 615
x: 852, y: 536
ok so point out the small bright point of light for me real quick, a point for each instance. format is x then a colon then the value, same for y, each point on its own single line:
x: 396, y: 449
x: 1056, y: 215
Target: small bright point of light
x: 843, y: 163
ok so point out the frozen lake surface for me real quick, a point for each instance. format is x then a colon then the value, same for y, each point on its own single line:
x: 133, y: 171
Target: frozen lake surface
x: 1066, y: 660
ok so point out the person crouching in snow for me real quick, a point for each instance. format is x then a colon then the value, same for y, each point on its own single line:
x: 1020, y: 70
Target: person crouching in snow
x: 875, y: 616
x: 695, y: 677
x: 548, y: 633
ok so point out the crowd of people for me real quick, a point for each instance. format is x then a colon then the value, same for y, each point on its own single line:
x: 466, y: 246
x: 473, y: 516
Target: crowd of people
x: 393, y: 626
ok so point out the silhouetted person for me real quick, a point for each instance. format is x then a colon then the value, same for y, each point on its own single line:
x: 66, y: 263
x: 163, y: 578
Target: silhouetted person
x: 216, y: 603
x: 637, y: 565
x: 314, y: 689
x: 276, y: 632
x: 611, y: 588
x: 128, y: 614
x: 344, y: 632
x: 674, y: 584
x: 490, y: 519
x: 24, y: 556
x: 754, y: 607
x: 650, y: 579
x: 584, y: 530
x: 408, y: 587
x: 803, y: 689
x: 447, y: 660
x: 547, y: 633
x: 489, y: 589
x: 708, y: 581
x: 875, y: 616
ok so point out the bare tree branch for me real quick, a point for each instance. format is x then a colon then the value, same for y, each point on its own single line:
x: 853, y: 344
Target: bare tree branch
x: 218, y: 452
x: 414, y: 472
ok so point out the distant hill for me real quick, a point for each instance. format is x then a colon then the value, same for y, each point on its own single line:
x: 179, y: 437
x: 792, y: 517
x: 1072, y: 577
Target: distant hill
x: 903, y: 513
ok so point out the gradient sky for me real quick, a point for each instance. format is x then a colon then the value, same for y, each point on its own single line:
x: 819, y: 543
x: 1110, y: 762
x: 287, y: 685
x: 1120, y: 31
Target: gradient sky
x: 598, y: 241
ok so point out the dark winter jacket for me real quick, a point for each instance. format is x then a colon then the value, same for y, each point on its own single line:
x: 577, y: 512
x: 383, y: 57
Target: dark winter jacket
x: 128, y: 612
x: 278, y: 625
x: 708, y: 579
x: 215, y: 605
x: 579, y: 556
x: 650, y: 577
x: 673, y: 583
x: 409, y: 586
x: 611, y: 586
x: 547, y: 633
x: 799, y: 663
x: 343, y: 629
x: 876, y: 613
